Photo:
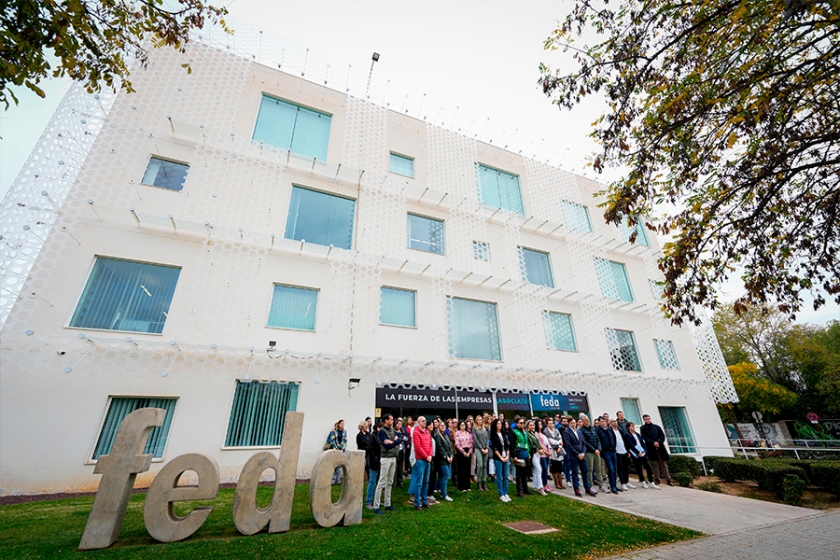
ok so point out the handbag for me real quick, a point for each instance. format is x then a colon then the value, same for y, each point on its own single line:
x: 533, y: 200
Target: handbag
x: 327, y: 446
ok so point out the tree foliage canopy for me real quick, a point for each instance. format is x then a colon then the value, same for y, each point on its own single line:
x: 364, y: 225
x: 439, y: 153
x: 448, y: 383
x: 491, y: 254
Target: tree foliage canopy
x: 728, y: 110
x: 94, y: 40
x: 758, y: 393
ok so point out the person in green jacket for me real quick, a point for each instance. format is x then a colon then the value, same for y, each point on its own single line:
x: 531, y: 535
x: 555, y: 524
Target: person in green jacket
x: 523, y: 456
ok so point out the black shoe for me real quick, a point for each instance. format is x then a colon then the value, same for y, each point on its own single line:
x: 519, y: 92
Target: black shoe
x: 390, y: 508
x: 519, y: 495
x: 615, y: 491
x: 578, y: 494
x: 418, y: 508
x: 426, y: 506
x: 378, y: 511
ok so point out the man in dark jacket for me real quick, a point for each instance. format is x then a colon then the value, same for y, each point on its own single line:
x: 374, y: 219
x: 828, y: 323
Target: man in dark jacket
x: 593, y: 453
x: 373, y: 454
x: 389, y: 444
x: 576, y: 456
x: 654, y: 438
x: 608, y: 444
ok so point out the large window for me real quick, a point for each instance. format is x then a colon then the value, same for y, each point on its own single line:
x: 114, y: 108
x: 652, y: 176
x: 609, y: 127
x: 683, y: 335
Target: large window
x: 426, y: 234
x: 632, y: 412
x: 293, y: 308
x: 119, y: 408
x: 577, y: 216
x: 667, y: 354
x: 613, y: 279
x: 499, y: 189
x: 165, y: 174
x: 558, y: 331
x: 473, y: 330
x: 623, y: 351
x: 321, y: 218
x: 627, y: 232
x: 537, y: 267
x: 397, y: 307
x: 126, y: 296
x: 300, y: 130
x: 401, y: 165
x: 677, y: 429
x: 259, y: 412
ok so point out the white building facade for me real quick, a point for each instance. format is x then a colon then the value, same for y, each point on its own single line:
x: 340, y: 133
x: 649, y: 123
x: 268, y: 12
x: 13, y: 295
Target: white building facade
x: 238, y: 242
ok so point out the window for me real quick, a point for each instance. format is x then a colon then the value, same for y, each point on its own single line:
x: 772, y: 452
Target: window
x: 677, y: 430
x: 473, y: 330
x: 259, y: 412
x: 297, y: 129
x: 499, y: 189
x: 577, y: 216
x: 165, y: 174
x: 623, y: 350
x: 396, y: 307
x: 667, y: 354
x: 657, y: 290
x: 638, y: 229
x: 613, y: 279
x: 558, y: 331
x: 126, y: 296
x: 402, y: 165
x: 119, y: 408
x: 321, y: 218
x: 537, y: 267
x: 632, y: 412
x: 293, y: 308
x: 481, y: 251
x: 425, y: 234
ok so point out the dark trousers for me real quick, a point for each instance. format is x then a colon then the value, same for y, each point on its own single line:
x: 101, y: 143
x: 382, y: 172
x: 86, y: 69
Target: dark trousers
x: 407, y: 459
x: 522, y: 477
x: 567, y: 469
x: 434, y: 474
x: 623, y: 467
x: 398, y: 471
x: 609, y: 459
x: 574, y: 465
x: 642, y: 462
x: 463, y: 468
x: 544, y: 464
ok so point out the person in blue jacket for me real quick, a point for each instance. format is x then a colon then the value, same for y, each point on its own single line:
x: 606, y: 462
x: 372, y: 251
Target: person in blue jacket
x: 576, y: 455
x: 608, y: 444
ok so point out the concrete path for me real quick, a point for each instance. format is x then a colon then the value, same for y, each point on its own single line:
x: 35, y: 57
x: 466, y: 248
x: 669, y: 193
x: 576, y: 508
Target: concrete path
x: 713, y: 514
x: 815, y: 537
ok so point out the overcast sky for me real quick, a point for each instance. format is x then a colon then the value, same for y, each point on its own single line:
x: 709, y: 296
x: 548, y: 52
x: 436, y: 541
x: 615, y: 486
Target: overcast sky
x: 476, y: 61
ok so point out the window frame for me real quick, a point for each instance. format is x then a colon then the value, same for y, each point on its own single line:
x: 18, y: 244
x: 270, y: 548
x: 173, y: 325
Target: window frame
x: 403, y: 156
x: 548, y: 313
x: 689, y: 428
x: 224, y: 447
x: 547, y: 254
x: 322, y: 191
x: 296, y: 104
x: 498, y: 330
x: 635, y: 347
x: 89, y: 458
x: 612, y: 279
x: 670, y: 343
x: 383, y: 286
x: 479, y: 165
x: 297, y: 287
x: 170, y: 160
x: 563, y: 202
x: 408, y: 233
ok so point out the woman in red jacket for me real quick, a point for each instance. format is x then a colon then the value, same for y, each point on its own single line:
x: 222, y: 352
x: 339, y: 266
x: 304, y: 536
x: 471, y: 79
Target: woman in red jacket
x: 422, y: 441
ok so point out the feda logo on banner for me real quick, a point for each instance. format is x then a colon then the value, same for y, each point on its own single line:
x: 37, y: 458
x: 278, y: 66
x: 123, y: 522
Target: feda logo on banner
x: 120, y: 468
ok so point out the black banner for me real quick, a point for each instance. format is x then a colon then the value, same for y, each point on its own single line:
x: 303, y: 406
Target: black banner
x: 399, y: 397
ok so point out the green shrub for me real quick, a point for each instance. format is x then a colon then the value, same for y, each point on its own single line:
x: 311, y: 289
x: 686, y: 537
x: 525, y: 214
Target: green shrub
x: 826, y: 475
x: 772, y: 476
x: 793, y: 488
x: 730, y: 470
x: 710, y: 486
x: 683, y: 478
x: 710, y: 462
x: 684, y: 464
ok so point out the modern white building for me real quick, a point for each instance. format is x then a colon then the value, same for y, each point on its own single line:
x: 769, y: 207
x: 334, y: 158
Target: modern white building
x: 237, y: 242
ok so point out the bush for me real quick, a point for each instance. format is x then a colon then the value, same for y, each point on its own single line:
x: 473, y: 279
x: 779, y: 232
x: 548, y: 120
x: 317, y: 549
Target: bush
x: 730, y: 470
x: 793, y: 489
x: 826, y: 475
x: 684, y: 464
x: 683, y: 478
x: 710, y: 462
x: 768, y: 474
x: 710, y: 486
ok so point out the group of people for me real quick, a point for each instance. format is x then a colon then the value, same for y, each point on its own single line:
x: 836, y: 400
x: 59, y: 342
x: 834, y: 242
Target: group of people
x: 553, y: 453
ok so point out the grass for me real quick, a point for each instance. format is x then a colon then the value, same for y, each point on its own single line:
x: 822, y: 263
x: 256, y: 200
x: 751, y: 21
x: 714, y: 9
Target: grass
x: 469, y: 527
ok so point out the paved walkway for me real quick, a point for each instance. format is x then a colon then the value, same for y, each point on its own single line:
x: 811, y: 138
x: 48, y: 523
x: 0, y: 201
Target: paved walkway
x: 708, y: 512
x: 816, y: 537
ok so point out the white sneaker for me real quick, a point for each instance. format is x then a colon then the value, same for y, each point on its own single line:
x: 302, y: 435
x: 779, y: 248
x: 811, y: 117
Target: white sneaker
x: 448, y: 499
x: 645, y: 484
x: 624, y: 487
x: 604, y: 490
x: 503, y: 498
x: 654, y: 486
x: 507, y: 497
x: 630, y: 485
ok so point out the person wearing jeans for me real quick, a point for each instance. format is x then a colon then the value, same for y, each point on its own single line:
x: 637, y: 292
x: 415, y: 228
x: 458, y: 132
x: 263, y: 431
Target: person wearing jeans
x: 608, y: 446
x: 500, y: 448
x: 373, y: 453
x: 443, y: 459
x: 422, y: 445
x: 576, y: 456
x: 593, y: 453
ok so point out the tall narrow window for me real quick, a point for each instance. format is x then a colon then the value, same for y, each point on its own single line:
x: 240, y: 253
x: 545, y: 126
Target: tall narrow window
x: 321, y: 218
x: 425, y: 234
x: 294, y: 128
x: 473, y: 330
x: 537, y: 267
x: 293, y: 308
x: 119, y: 408
x: 677, y: 429
x: 638, y: 228
x: 613, y: 279
x: 259, y: 412
x: 165, y: 174
x: 402, y: 165
x: 126, y: 296
x: 623, y: 351
x: 657, y: 290
x: 397, y: 307
x: 666, y: 353
x: 577, y: 216
x: 558, y: 331
x: 632, y: 412
x: 499, y: 189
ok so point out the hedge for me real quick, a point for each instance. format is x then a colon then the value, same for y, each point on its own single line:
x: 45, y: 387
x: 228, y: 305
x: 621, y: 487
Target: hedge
x: 823, y: 474
x: 710, y: 462
x: 769, y: 475
x: 684, y: 464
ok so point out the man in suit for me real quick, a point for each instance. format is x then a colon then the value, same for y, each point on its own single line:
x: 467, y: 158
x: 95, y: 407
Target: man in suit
x: 593, y: 453
x: 576, y: 456
x: 654, y: 438
x: 608, y: 453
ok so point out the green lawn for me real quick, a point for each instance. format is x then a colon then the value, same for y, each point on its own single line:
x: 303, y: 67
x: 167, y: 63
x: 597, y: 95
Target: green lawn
x: 469, y: 527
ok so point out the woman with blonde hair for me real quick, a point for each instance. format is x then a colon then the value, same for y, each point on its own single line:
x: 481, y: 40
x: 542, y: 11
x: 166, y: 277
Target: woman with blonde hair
x: 481, y: 439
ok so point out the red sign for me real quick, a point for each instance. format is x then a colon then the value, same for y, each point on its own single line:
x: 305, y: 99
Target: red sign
x: 813, y: 417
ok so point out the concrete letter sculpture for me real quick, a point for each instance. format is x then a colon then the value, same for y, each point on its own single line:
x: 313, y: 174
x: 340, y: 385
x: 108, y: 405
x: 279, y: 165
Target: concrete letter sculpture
x: 158, y: 513
x: 349, y: 505
x: 248, y: 518
x: 119, y: 470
